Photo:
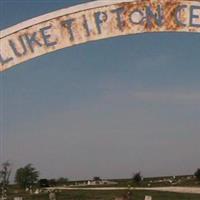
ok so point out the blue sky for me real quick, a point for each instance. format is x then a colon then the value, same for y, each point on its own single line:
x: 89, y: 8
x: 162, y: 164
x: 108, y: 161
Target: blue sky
x: 106, y: 108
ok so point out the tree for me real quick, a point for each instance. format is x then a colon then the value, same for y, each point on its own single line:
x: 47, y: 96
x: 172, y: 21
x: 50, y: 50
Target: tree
x: 26, y: 176
x: 52, y: 182
x: 197, y: 174
x: 62, y: 181
x: 43, y: 183
x: 96, y: 178
x: 5, y: 172
x: 137, y: 178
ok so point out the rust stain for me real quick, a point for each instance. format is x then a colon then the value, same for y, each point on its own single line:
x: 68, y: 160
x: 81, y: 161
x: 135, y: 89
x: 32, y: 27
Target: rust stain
x: 169, y: 15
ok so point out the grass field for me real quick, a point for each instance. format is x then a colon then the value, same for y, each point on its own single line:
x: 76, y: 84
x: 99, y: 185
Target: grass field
x: 108, y: 195
x: 15, y: 191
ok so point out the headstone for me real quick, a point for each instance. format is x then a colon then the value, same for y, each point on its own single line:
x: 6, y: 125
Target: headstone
x: 37, y: 191
x: 18, y: 198
x: 148, y: 198
x: 52, y: 196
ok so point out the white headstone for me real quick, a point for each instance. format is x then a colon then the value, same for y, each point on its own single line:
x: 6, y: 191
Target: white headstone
x: 52, y: 196
x: 37, y: 191
x: 148, y: 198
x: 18, y: 198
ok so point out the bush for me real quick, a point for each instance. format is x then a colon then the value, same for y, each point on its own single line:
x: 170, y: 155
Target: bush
x: 137, y: 178
x: 197, y: 174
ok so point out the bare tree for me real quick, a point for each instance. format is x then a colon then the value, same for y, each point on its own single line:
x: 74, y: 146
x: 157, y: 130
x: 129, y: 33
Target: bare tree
x: 5, y: 172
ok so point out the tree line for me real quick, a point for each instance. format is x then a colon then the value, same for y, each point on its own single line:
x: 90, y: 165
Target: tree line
x: 28, y: 176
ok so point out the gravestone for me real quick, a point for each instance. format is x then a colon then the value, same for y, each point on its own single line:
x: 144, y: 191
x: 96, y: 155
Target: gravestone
x: 18, y: 198
x: 148, y: 198
x: 52, y: 196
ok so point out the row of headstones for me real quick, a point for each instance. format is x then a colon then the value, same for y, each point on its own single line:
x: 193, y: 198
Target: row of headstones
x: 146, y: 198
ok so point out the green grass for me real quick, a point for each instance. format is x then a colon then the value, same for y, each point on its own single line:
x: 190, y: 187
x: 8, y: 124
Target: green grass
x: 178, y: 181
x: 109, y: 195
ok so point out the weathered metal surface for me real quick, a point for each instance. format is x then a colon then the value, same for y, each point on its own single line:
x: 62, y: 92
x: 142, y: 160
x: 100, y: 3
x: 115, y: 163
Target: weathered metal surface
x: 94, y: 21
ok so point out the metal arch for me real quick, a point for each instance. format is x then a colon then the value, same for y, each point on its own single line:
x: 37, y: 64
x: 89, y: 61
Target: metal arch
x: 94, y: 21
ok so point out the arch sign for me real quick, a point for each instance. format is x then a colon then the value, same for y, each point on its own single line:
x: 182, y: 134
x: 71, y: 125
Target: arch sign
x: 94, y: 21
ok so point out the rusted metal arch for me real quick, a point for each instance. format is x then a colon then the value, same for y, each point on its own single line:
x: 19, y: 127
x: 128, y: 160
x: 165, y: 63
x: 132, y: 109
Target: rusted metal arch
x: 94, y: 21
x: 65, y: 11
x: 59, y: 13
